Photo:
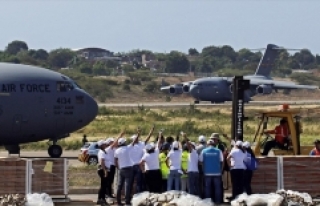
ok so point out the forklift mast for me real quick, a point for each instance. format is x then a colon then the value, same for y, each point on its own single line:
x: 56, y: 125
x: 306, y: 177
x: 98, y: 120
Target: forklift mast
x: 238, y: 89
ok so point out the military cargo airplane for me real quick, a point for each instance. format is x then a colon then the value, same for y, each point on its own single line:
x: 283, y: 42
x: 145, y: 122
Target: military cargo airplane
x: 39, y: 104
x: 219, y: 89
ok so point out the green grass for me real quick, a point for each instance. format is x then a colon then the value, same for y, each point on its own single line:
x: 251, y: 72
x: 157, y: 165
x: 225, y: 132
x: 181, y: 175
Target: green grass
x: 193, y: 121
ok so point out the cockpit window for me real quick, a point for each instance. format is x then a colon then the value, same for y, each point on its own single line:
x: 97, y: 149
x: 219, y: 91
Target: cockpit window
x: 64, y: 86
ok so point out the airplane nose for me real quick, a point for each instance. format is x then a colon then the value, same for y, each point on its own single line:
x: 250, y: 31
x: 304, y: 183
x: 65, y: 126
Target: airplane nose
x: 193, y: 89
x: 91, y: 108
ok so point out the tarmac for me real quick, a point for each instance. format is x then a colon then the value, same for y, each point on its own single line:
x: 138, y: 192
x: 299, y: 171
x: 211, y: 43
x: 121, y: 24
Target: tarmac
x: 177, y: 104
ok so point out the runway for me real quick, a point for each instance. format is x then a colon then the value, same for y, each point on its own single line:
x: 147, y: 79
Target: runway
x: 176, y: 104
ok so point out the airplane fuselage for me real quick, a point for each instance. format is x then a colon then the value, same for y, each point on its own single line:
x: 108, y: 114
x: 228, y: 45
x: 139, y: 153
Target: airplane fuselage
x: 218, y: 90
x: 38, y: 104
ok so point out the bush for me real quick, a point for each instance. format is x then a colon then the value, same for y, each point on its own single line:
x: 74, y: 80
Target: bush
x: 110, y: 82
x: 126, y: 87
x: 151, y: 87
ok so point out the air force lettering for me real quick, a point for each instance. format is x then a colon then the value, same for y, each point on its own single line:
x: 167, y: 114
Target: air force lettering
x: 30, y: 88
x: 212, y: 159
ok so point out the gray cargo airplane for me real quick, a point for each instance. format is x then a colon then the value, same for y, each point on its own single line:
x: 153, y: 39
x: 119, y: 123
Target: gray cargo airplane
x: 39, y: 104
x: 219, y: 89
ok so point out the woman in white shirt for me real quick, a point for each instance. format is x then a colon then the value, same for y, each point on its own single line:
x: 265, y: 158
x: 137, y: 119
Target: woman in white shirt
x: 150, y: 166
x: 237, y: 157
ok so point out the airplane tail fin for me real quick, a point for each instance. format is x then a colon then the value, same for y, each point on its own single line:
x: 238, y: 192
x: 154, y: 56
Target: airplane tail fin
x: 267, y: 61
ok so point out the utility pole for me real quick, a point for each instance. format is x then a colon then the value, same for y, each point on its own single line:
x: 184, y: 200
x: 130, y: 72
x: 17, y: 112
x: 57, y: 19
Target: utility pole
x: 238, y: 89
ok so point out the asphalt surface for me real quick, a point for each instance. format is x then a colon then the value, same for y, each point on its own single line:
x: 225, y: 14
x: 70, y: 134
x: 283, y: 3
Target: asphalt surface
x: 172, y: 104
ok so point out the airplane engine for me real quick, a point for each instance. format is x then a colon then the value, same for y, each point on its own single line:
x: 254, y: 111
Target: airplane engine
x: 186, y: 88
x: 175, y: 90
x: 264, y: 89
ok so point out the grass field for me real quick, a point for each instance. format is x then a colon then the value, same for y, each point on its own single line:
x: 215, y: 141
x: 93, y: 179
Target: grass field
x: 192, y: 120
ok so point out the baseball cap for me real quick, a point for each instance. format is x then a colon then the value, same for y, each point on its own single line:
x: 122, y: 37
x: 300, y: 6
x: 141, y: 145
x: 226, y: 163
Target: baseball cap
x: 202, y: 138
x: 109, y: 140
x: 214, y: 136
x: 239, y: 143
x: 121, y: 141
x: 246, y: 144
x: 101, y: 142
x: 175, y: 144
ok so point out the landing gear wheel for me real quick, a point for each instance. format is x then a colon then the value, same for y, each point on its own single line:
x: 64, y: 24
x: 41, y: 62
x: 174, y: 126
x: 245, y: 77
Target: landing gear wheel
x: 55, y: 151
x: 196, y: 102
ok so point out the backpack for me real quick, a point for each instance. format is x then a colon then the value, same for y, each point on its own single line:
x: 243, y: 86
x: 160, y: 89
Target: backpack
x: 251, y: 162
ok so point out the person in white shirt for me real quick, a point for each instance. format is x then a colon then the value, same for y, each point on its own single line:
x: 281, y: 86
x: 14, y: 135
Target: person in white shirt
x: 110, y: 149
x: 102, y: 171
x: 202, y: 145
x: 124, y: 164
x: 150, y: 166
x: 136, y: 153
x: 193, y: 172
x: 236, y: 159
x: 173, y: 161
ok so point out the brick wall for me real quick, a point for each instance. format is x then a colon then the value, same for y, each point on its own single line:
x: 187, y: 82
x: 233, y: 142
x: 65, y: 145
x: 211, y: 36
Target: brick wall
x: 302, y: 174
x: 265, y: 178
x: 50, y: 182
x: 13, y: 176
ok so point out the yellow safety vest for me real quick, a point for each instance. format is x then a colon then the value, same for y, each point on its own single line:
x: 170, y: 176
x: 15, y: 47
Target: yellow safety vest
x: 184, y: 162
x: 163, y: 166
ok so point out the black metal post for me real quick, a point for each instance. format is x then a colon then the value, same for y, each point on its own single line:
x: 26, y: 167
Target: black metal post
x: 239, y: 87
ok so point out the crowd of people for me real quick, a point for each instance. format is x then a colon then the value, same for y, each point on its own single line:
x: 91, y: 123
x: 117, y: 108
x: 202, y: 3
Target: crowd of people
x: 173, y: 164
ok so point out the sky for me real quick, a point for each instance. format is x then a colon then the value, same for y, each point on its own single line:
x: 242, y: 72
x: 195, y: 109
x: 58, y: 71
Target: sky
x: 160, y: 25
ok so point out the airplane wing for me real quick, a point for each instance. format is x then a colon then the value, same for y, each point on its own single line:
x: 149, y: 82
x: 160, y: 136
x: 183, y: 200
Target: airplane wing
x: 278, y: 84
x: 165, y: 88
x: 281, y: 84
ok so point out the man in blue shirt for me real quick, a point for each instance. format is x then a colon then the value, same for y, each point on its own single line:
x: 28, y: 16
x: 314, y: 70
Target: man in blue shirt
x: 212, y: 164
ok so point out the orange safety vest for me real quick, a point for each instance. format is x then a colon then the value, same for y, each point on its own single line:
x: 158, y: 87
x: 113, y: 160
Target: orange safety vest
x: 316, y: 152
x: 281, y: 132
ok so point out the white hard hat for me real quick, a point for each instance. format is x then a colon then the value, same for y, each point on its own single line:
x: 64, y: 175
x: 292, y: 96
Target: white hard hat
x: 121, y: 141
x: 246, y: 144
x: 101, y: 142
x: 202, y: 138
x: 149, y: 146
x: 239, y: 143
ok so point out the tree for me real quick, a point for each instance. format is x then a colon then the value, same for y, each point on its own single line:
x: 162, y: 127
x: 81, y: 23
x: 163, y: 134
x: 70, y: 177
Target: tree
x: 60, y: 58
x: 177, y: 62
x: 193, y: 52
x: 99, y: 68
x: 41, y: 54
x: 16, y: 46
